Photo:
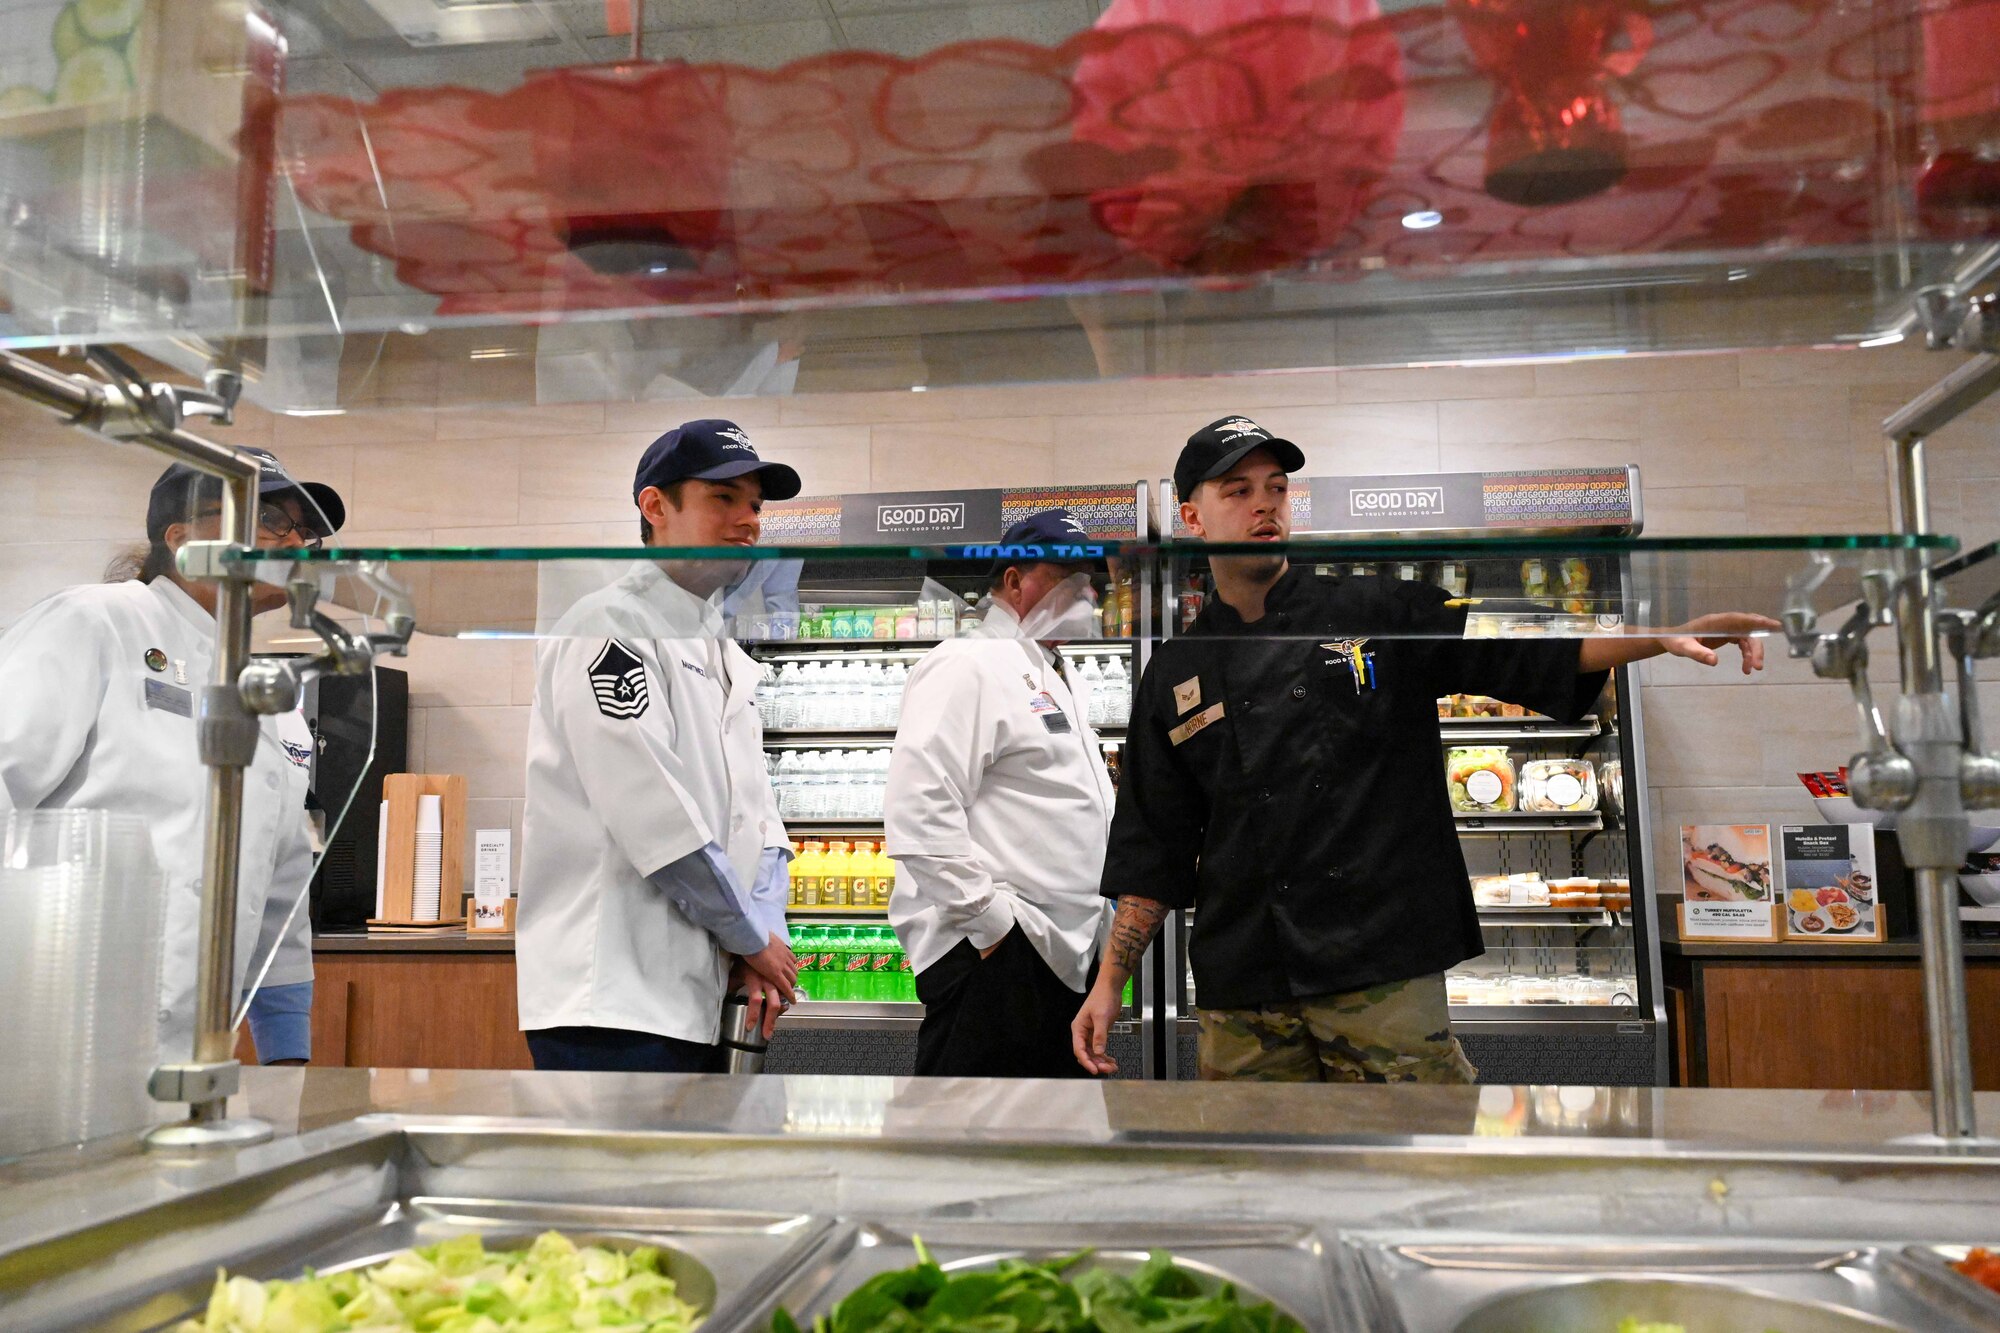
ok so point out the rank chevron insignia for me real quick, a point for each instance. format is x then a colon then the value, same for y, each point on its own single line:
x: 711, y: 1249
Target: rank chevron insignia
x: 618, y: 679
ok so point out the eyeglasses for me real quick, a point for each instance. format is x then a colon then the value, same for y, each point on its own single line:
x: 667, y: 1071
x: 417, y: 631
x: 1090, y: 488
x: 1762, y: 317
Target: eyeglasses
x: 275, y: 522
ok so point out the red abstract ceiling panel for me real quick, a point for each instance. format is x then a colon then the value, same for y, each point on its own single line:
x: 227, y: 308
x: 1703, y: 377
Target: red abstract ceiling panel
x: 1177, y: 140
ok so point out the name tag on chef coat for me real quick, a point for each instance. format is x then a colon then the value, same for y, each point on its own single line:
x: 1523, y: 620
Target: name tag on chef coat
x: 169, y: 698
x: 1051, y: 713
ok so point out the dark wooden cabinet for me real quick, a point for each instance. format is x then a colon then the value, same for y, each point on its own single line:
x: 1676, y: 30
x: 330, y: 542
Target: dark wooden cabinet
x: 1740, y: 1021
x: 414, y: 1009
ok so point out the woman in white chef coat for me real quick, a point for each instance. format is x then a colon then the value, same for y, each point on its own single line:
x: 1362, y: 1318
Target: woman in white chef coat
x: 97, y: 695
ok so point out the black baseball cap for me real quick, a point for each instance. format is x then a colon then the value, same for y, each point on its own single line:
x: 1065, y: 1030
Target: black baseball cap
x: 710, y: 450
x: 1221, y: 445
x: 183, y: 488
x: 1047, y: 527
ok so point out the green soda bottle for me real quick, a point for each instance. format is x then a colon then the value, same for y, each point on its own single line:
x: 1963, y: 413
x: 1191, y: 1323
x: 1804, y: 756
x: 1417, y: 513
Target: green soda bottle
x: 906, y: 979
x: 859, y: 963
x: 805, y: 948
x: 825, y: 963
x: 832, y: 964
x: 882, y: 954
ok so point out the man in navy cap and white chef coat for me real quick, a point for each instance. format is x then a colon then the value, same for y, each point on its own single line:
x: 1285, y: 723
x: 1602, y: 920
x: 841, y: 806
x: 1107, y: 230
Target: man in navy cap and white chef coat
x: 998, y: 807
x: 654, y: 864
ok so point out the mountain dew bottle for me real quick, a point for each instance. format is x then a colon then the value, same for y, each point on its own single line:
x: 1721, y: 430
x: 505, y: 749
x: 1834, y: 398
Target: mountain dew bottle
x: 883, y: 953
x: 805, y: 948
x: 858, y: 964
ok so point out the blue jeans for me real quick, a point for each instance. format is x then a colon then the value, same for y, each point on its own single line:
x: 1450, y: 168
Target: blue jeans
x: 281, y: 1022
x: 615, y: 1050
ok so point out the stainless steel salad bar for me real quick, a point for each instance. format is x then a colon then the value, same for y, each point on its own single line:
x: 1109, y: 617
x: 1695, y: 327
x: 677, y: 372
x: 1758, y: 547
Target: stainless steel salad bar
x: 1398, y: 1209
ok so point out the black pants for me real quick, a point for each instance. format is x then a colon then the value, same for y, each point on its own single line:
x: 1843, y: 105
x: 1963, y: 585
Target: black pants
x: 615, y: 1050
x: 1005, y: 1016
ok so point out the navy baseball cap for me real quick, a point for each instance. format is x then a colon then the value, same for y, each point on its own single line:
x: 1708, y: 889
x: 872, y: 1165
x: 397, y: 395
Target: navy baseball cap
x: 1047, y: 527
x: 710, y: 450
x: 1221, y: 445
x: 182, y: 489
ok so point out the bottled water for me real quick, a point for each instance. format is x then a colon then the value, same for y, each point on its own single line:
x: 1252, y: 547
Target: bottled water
x: 786, y: 784
x: 813, y: 698
x: 785, y: 706
x: 1092, y: 679
x: 899, y: 676
x: 1120, y: 682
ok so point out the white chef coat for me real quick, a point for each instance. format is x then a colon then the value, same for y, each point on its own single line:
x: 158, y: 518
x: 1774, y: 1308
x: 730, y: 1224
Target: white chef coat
x: 86, y: 724
x: 1003, y: 822
x: 642, y: 748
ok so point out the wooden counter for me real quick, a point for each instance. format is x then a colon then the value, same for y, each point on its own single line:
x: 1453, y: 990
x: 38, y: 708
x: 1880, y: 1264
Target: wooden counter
x: 1807, y: 1014
x: 438, y: 1000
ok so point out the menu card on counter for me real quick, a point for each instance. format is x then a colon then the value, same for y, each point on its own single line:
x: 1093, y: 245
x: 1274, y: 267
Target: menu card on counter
x: 1829, y: 883
x: 1726, y: 877
x: 492, y: 880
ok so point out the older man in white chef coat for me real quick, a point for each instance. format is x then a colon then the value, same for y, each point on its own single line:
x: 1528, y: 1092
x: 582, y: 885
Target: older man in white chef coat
x: 97, y: 699
x: 998, y: 808
x: 654, y: 865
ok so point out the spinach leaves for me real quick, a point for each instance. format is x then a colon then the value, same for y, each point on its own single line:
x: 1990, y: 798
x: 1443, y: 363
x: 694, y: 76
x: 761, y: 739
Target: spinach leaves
x: 1021, y: 1297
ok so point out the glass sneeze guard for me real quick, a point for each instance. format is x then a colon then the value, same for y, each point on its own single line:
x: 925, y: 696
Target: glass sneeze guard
x: 1510, y: 586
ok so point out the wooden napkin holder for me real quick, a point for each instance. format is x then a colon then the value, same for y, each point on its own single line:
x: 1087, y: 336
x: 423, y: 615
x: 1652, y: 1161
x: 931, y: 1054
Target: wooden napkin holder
x: 399, y: 865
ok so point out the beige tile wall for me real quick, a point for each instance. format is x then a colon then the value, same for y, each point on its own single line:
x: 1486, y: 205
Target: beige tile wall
x: 1774, y: 442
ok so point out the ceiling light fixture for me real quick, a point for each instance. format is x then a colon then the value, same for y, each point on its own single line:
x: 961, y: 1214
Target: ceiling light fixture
x: 1423, y: 219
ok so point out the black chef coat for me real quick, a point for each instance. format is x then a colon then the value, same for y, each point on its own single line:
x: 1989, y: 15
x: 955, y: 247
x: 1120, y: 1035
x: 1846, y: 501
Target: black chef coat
x: 1308, y: 818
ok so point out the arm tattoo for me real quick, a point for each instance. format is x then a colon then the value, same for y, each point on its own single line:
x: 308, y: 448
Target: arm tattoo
x: 1133, y: 927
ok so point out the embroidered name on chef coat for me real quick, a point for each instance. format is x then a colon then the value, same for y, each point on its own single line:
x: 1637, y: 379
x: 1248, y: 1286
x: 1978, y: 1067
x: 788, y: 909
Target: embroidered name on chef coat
x: 301, y: 755
x: 1195, y: 725
x: 618, y: 680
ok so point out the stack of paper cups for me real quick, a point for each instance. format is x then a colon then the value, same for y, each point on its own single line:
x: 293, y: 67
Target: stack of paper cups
x: 427, y: 899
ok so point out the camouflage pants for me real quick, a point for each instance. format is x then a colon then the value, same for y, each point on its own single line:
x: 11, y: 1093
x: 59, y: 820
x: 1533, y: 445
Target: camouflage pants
x: 1395, y: 1033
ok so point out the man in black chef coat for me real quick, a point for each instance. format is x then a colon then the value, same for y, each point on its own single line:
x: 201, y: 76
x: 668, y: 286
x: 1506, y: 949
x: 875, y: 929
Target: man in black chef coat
x: 1282, y: 771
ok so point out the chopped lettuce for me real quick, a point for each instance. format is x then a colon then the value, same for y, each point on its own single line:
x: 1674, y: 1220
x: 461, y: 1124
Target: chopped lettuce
x: 459, y: 1286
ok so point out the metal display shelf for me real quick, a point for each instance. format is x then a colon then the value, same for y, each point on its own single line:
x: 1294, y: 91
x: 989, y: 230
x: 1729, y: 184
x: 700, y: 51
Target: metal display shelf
x: 855, y: 1013
x: 1459, y: 730
x: 872, y: 737
x: 1582, y: 918
x: 817, y: 650
x: 1502, y: 823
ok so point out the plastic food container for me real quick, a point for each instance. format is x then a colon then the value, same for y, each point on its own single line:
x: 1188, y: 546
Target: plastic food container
x: 1481, y: 778
x: 1611, y: 782
x: 1553, y: 786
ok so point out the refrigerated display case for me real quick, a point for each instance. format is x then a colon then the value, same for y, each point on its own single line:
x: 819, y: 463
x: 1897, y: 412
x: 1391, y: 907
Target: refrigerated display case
x: 1551, y: 815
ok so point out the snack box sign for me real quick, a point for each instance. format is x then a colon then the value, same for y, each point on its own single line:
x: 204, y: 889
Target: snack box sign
x: 1828, y: 883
